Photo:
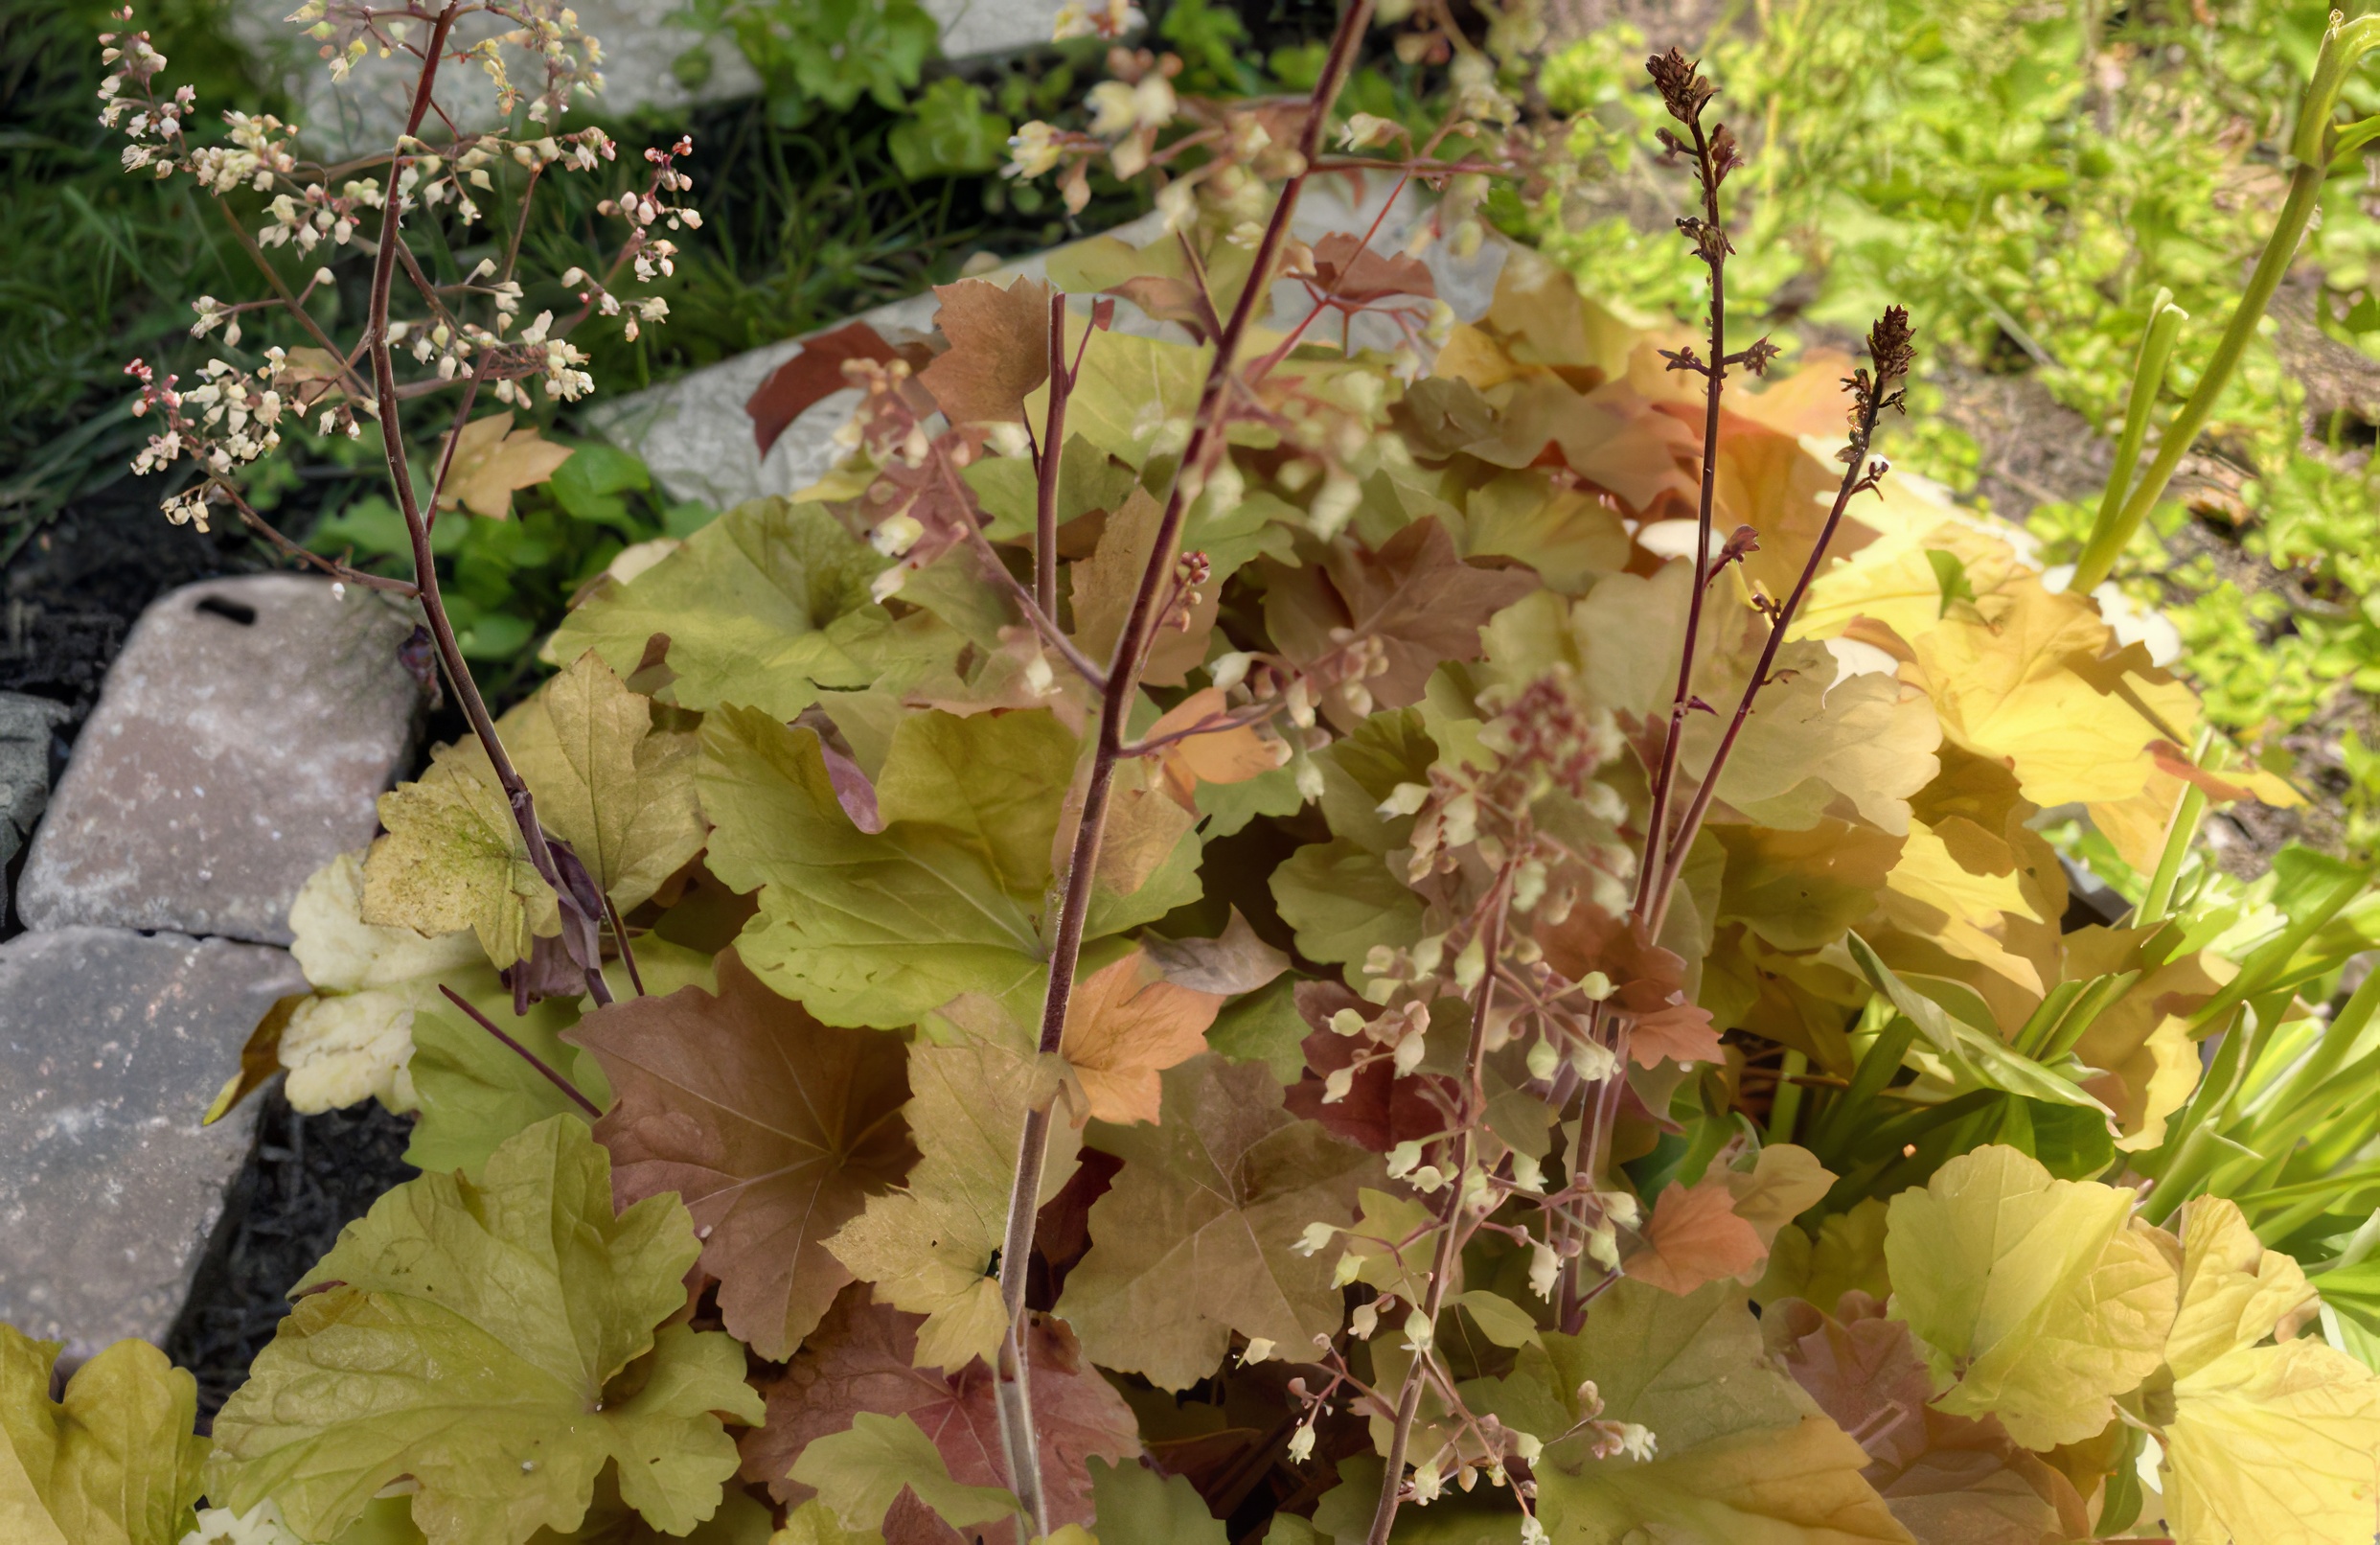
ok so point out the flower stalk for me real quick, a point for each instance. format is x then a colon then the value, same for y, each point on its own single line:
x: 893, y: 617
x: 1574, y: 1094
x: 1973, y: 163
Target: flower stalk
x: 1122, y: 685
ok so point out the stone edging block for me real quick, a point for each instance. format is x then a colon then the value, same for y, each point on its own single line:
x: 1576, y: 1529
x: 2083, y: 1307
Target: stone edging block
x: 239, y: 744
x: 112, y: 1045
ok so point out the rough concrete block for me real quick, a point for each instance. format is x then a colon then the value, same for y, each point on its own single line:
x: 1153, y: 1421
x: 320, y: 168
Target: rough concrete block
x: 237, y: 746
x: 112, y: 1043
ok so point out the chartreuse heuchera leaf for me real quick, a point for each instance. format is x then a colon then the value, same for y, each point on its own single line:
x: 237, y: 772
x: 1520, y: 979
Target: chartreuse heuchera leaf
x: 861, y: 1472
x: 620, y: 794
x: 949, y: 898
x: 496, y: 1341
x: 758, y: 608
x: 929, y: 1246
x: 2041, y: 1290
x: 2271, y: 1443
x: 112, y: 1464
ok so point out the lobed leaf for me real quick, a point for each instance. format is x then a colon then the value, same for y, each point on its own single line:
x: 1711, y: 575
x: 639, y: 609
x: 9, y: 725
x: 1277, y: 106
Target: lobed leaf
x: 496, y: 1341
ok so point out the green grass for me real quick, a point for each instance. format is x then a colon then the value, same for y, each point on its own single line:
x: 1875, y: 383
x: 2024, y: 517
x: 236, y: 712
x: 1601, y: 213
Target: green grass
x: 2024, y: 178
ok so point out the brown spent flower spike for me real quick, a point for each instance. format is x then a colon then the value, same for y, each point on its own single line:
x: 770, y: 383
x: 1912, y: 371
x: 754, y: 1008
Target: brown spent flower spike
x: 1684, y: 89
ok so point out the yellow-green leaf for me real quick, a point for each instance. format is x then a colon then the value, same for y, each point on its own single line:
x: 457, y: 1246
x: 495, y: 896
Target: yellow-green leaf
x: 496, y: 1341
x: 1734, y: 1455
x: 762, y: 608
x: 2036, y: 1286
x: 113, y: 1463
x: 453, y: 858
x: 619, y: 793
x: 860, y: 1471
x: 929, y: 1247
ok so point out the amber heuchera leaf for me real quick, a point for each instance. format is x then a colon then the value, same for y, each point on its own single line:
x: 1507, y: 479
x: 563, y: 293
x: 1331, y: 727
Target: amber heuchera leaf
x: 861, y: 1358
x: 1195, y: 1239
x: 1423, y: 602
x: 489, y: 463
x: 775, y: 1129
x: 1125, y: 1025
x: 1694, y: 1237
x: 1000, y: 349
x: 1226, y: 753
x: 1947, y: 1480
x: 1725, y: 1224
x: 1648, y: 985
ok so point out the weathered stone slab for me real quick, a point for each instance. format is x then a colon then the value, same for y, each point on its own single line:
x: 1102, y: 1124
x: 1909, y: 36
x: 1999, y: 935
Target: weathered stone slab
x: 27, y: 727
x: 237, y: 746
x: 694, y: 434
x: 112, y: 1043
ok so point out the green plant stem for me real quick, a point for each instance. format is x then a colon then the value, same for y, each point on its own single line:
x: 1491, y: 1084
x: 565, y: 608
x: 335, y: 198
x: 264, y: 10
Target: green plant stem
x: 581, y: 939
x: 2148, y: 379
x: 2341, y: 46
x: 1121, y: 687
x: 2180, y: 831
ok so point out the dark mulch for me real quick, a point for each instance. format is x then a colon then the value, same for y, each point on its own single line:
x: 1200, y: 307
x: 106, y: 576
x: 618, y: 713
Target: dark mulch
x: 308, y: 1178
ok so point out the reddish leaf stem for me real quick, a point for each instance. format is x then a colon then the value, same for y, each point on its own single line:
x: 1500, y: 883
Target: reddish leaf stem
x: 1858, y: 475
x: 521, y: 1051
x: 578, y: 934
x: 1122, y: 685
x: 1715, y: 374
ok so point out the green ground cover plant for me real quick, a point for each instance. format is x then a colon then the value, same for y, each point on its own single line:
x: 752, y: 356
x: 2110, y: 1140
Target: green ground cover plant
x: 2034, y: 179
x: 1431, y: 932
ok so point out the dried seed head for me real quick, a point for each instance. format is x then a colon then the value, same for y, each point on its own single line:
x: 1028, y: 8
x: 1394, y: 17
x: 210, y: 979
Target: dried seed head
x: 1891, y: 344
x: 1682, y: 87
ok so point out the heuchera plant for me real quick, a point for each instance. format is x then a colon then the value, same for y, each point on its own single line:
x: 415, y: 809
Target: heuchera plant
x: 1229, y: 933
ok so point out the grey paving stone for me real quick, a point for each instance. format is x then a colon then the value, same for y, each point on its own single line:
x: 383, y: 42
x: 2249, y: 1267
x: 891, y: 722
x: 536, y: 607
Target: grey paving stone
x: 27, y: 727
x: 112, y: 1043
x: 641, y: 42
x: 696, y: 436
x: 239, y: 744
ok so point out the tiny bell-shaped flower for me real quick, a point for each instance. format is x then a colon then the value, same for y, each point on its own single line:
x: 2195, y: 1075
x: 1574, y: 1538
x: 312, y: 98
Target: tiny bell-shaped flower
x: 1544, y: 1269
